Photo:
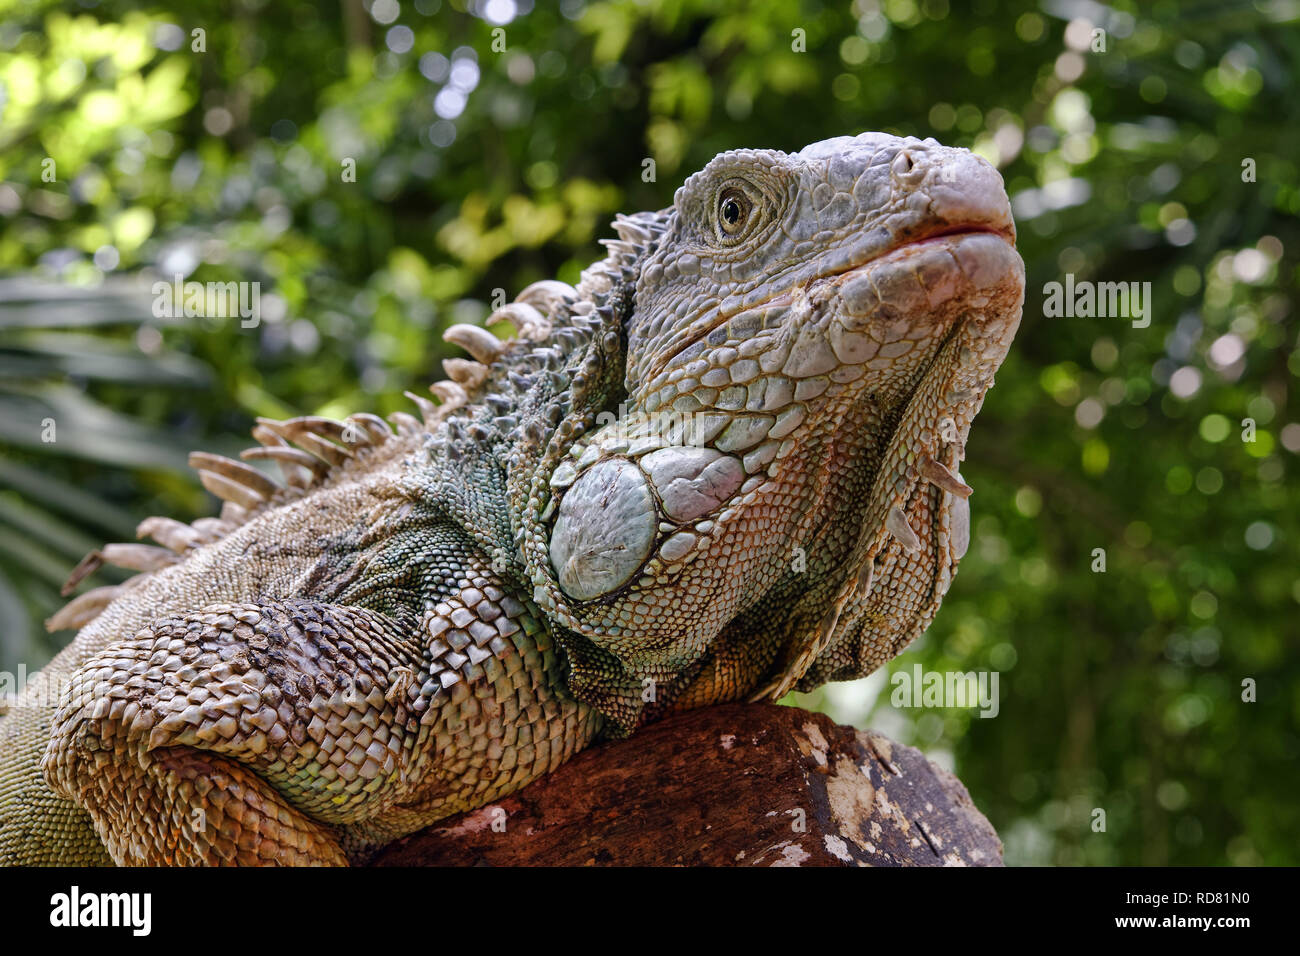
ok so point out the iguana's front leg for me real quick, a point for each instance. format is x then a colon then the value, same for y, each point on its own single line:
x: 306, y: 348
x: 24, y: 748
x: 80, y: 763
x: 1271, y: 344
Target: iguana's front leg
x: 210, y: 738
x: 267, y: 733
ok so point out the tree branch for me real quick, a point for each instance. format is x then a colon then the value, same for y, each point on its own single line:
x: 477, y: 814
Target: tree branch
x: 750, y: 785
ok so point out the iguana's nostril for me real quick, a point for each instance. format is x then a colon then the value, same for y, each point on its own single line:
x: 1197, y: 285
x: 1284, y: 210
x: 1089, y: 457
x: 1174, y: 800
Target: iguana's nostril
x: 903, y: 164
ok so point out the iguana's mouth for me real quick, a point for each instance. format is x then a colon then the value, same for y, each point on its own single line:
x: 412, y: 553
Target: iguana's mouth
x: 930, y: 237
x: 953, y: 234
x: 1005, y: 230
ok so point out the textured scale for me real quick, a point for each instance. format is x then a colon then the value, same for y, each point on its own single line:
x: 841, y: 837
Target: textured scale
x: 724, y: 465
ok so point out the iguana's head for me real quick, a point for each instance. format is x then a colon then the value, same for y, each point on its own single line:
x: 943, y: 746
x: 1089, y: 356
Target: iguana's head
x: 809, y: 341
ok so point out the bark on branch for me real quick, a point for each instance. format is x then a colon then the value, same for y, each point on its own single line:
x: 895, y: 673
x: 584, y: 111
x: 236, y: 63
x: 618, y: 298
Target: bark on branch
x: 749, y: 785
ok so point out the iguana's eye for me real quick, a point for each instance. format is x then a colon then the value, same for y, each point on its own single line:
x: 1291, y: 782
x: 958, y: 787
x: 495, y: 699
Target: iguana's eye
x: 734, y: 209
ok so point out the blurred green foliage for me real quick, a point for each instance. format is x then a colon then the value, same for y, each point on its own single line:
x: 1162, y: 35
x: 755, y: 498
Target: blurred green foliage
x: 213, y: 140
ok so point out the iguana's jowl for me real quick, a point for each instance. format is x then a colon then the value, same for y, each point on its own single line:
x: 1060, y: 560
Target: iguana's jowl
x: 725, y: 464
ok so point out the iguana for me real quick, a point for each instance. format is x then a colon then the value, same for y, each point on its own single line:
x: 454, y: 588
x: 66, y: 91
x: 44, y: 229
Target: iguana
x: 723, y: 466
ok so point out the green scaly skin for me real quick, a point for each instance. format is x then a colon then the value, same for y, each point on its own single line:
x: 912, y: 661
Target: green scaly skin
x: 721, y: 467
